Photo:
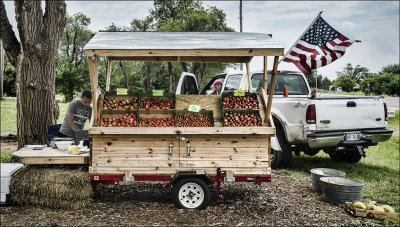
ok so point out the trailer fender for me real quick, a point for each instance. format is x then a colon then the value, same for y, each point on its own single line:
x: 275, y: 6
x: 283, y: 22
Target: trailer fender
x: 198, y: 173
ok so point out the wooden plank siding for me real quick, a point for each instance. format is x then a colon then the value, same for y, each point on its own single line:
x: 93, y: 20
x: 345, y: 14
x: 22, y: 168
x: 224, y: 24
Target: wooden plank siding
x: 144, y: 154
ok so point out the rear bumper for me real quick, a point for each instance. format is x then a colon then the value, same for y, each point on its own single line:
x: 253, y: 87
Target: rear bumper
x: 332, y: 139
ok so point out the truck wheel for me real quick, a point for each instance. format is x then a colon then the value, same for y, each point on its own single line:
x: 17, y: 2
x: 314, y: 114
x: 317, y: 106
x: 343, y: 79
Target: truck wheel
x: 348, y: 155
x: 281, y: 158
x: 191, y: 193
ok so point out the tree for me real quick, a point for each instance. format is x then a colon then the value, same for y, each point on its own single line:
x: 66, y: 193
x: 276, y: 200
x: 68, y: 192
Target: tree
x: 73, y: 72
x: 346, y: 82
x: 387, y: 81
x: 311, y: 79
x: 9, y: 79
x: 357, y: 73
x: 35, y: 58
x: 181, y: 16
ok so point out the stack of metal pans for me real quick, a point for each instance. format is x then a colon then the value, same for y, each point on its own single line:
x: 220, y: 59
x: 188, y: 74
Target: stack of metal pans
x: 316, y: 175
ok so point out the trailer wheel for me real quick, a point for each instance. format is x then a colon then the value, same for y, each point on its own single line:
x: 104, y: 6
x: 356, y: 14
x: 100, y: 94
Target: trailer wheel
x: 191, y: 193
x: 281, y: 158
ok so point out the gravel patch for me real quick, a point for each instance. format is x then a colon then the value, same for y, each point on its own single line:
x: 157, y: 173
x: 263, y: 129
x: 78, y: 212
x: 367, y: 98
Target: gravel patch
x: 286, y: 201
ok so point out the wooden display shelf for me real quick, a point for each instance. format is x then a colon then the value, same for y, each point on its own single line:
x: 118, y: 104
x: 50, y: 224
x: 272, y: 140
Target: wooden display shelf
x: 267, y: 131
x: 50, y: 156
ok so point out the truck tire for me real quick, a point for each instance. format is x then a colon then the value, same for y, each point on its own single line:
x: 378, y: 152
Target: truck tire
x: 282, y: 158
x: 348, y: 155
x: 191, y: 193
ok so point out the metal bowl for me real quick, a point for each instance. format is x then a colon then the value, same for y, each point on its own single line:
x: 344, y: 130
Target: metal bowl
x: 327, y: 173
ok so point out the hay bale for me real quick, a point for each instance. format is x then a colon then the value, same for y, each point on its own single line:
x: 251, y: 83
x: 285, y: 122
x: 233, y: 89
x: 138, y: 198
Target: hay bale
x: 53, y: 188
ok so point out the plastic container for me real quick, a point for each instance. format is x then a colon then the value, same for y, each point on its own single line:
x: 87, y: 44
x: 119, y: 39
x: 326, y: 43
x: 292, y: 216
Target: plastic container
x: 326, y: 173
x: 63, y: 145
x: 338, y: 190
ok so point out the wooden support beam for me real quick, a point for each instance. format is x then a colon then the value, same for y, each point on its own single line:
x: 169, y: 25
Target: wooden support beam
x: 95, y: 87
x: 265, y: 73
x: 181, y: 131
x: 215, y: 59
x: 109, y: 63
x: 249, y: 76
x: 185, y: 52
x: 272, y: 86
x: 264, y: 98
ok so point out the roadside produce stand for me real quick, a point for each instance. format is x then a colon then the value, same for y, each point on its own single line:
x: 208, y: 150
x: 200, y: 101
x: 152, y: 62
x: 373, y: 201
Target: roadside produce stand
x: 191, y: 158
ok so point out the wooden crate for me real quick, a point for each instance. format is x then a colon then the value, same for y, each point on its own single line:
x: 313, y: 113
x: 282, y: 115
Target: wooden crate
x: 186, y: 112
x: 368, y: 213
x: 247, y: 94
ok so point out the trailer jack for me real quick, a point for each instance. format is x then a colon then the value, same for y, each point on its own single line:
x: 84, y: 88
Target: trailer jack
x: 220, y: 179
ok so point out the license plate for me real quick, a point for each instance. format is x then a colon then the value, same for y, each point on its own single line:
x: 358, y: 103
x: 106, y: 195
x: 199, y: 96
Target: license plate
x: 351, y: 136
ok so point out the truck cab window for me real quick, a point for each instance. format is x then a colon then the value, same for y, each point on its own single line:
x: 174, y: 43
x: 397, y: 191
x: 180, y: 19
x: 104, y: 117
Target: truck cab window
x: 233, y: 82
x: 294, y: 82
x: 189, y: 86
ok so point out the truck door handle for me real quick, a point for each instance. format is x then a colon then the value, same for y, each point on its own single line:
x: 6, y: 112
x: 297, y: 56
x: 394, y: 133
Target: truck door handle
x: 351, y: 104
x: 171, y: 148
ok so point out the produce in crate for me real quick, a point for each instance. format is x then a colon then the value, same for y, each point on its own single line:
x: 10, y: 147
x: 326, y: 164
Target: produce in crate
x: 372, y: 206
x: 232, y: 119
x: 156, y: 122
x: 121, y: 104
x: 156, y: 103
x: 240, y: 102
x: 359, y: 205
x: 128, y: 120
x: 194, y: 120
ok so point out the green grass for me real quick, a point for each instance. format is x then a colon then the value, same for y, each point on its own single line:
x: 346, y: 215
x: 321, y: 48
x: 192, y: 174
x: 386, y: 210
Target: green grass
x: 379, y: 171
x: 6, y: 156
x: 9, y: 116
x: 393, y: 122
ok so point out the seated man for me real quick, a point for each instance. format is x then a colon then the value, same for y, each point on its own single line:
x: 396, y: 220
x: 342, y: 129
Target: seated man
x: 77, y: 113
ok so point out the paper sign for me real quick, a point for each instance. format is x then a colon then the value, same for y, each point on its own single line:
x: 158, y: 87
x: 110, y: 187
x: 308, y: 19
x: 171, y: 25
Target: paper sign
x: 158, y: 92
x: 122, y: 91
x: 239, y: 93
x: 194, y: 108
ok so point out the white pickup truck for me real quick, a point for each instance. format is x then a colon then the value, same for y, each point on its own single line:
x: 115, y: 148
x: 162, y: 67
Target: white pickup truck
x: 340, y: 126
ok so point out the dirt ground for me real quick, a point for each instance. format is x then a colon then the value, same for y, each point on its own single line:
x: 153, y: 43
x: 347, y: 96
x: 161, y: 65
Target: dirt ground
x: 286, y: 201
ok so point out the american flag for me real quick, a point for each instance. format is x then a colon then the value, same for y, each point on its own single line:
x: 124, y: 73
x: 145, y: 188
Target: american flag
x: 320, y: 45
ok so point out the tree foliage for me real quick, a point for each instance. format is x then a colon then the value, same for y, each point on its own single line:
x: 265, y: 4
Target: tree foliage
x: 72, y: 72
x: 173, y: 16
x: 387, y: 81
x: 346, y: 82
x: 357, y: 73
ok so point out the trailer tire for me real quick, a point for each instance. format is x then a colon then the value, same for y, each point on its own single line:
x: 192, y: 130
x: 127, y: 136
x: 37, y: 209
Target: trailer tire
x: 282, y: 158
x: 191, y: 193
x: 348, y: 155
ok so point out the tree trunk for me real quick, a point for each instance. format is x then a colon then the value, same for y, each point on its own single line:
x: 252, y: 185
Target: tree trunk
x: 35, y: 64
x: 147, y: 79
x: 1, y: 68
x: 170, y: 77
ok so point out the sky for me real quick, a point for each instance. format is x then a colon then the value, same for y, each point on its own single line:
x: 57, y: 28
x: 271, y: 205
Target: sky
x: 375, y: 23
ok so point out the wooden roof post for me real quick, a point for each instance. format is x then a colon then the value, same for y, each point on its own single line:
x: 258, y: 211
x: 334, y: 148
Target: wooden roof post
x: 109, y: 63
x: 265, y: 73
x: 96, y: 88
x: 248, y: 76
x: 272, y: 86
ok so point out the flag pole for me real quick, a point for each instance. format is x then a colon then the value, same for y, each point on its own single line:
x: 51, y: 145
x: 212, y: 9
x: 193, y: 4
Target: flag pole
x: 301, y: 36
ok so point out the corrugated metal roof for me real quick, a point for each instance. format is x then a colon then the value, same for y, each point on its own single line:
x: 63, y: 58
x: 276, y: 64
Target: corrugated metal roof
x: 181, y: 41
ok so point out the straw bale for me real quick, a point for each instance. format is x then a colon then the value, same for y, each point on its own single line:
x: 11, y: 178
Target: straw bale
x: 207, y: 102
x: 55, y: 188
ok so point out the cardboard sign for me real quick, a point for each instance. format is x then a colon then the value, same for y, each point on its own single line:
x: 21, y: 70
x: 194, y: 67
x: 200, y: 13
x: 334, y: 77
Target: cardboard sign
x: 239, y: 93
x: 194, y: 108
x: 122, y: 91
x: 158, y: 92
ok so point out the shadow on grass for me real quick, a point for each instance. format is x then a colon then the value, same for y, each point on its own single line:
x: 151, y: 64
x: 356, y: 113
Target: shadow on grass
x: 361, y: 171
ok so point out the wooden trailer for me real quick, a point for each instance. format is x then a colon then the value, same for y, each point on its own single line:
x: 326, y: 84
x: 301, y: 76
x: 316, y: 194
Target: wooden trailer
x: 191, y: 158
